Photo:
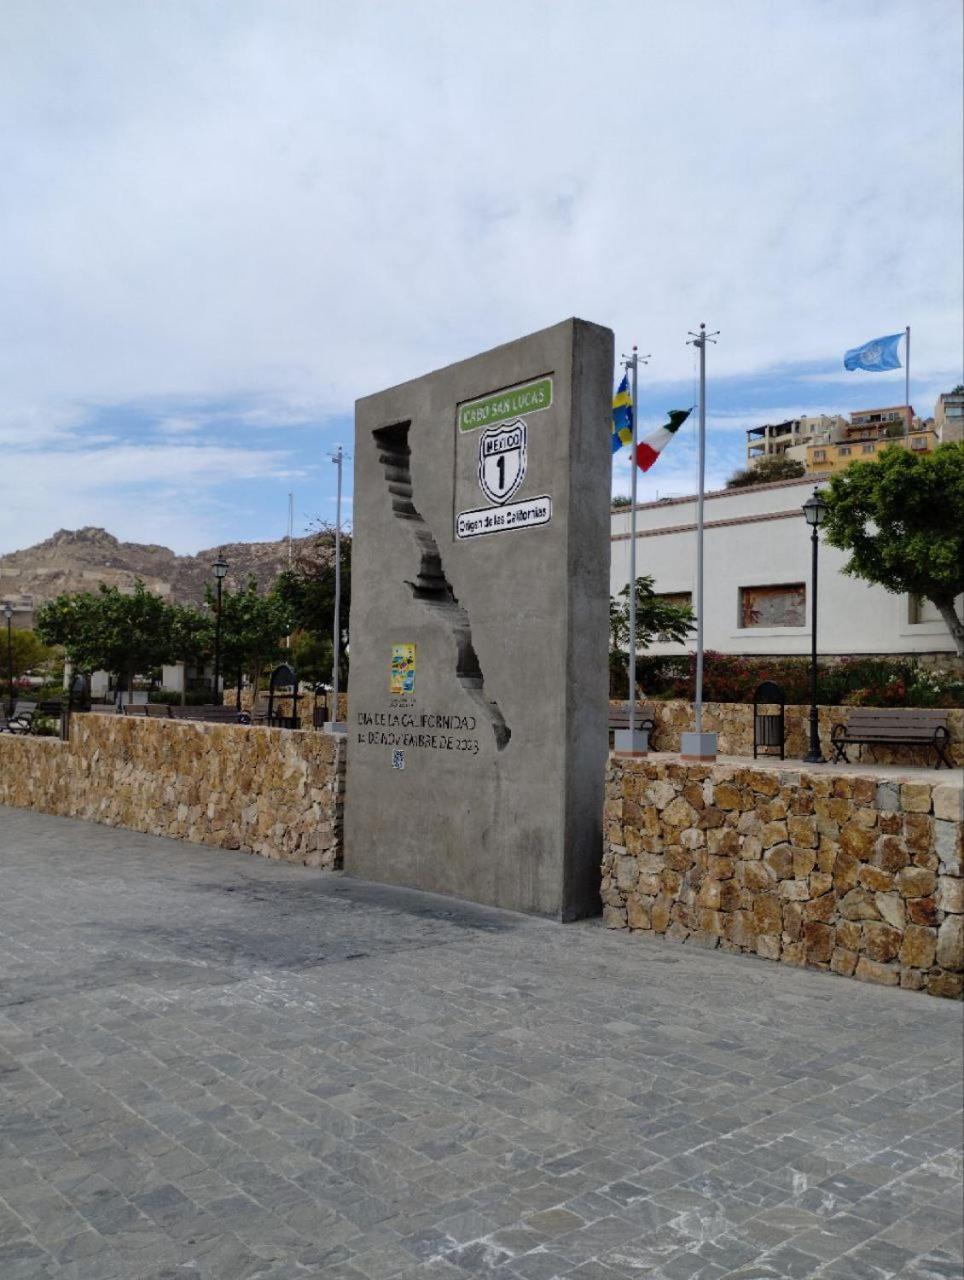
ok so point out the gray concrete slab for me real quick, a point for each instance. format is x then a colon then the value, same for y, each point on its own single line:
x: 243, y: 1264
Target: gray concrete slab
x: 480, y: 624
x: 217, y: 1066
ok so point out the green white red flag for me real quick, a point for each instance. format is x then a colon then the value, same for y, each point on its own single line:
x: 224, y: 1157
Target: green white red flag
x: 648, y: 450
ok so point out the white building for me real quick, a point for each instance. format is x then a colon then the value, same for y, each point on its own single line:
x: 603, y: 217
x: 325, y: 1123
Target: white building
x: 757, y: 578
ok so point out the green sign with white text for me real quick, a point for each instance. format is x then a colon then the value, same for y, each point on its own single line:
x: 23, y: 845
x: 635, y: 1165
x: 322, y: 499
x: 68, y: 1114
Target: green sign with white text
x: 531, y: 397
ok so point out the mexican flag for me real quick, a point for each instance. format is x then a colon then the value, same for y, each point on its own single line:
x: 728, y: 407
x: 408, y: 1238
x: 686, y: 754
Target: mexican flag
x: 648, y: 450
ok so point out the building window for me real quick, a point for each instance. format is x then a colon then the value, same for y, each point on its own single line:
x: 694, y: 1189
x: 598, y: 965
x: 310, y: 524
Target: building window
x: 675, y: 597
x: 922, y: 610
x: 867, y: 448
x: 914, y: 444
x: 774, y: 606
x: 844, y: 451
x: 820, y: 455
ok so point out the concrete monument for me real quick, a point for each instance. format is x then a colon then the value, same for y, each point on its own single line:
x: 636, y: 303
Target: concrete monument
x: 479, y: 626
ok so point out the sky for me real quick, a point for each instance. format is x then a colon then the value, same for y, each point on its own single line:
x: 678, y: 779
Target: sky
x: 221, y: 223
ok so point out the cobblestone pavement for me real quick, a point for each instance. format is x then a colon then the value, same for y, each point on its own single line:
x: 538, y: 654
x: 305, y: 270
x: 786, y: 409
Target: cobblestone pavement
x: 217, y: 1066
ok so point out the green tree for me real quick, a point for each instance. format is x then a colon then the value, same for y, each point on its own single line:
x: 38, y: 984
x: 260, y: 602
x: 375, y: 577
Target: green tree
x: 29, y: 653
x: 308, y: 588
x: 656, y: 617
x: 901, y: 517
x: 110, y: 630
x: 621, y: 501
x: 253, y: 628
x: 776, y: 467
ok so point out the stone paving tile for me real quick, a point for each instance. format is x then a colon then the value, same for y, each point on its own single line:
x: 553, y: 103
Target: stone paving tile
x: 219, y: 1067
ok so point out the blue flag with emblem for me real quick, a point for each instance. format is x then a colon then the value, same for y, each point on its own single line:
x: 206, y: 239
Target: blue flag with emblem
x: 622, y: 415
x: 876, y: 355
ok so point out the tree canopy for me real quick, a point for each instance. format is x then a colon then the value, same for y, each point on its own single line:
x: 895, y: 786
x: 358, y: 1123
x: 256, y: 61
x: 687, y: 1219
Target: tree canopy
x: 901, y: 517
x: 253, y: 628
x: 656, y: 617
x: 109, y: 630
x: 775, y: 467
x: 308, y: 589
x: 27, y: 653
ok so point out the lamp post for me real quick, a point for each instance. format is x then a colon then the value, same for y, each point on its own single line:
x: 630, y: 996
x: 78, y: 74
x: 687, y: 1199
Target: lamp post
x: 8, y: 614
x: 814, y: 511
x: 220, y: 568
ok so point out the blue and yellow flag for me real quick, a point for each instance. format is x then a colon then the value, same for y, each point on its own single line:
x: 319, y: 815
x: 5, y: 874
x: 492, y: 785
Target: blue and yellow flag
x: 622, y: 415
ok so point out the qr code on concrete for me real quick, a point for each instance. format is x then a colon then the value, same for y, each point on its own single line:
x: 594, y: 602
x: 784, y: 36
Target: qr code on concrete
x: 398, y: 759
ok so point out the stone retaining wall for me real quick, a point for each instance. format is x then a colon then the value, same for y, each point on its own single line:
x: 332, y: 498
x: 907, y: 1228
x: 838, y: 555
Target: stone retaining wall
x: 274, y: 792
x: 847, y: 873
x: 733, y: 721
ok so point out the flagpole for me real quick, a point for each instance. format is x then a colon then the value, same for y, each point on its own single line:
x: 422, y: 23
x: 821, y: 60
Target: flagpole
x: 907, y: 381
x: 629, y: 744
x: 699, y: 745
x: 634, y: 363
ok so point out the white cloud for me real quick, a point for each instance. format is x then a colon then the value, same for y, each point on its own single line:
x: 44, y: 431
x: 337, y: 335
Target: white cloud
x: 287, y: 206
x: 141, y: 493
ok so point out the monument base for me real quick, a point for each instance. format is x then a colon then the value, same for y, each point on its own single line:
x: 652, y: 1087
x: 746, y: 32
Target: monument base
x: 698, y: 746
x: 631, y: 742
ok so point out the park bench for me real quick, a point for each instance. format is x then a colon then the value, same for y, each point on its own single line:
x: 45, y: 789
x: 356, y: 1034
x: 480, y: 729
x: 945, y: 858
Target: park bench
x: 211, y: 713
x: 20, y: 720
x: 645, y: 718
x: 905, y: 727
x: 149, y: 710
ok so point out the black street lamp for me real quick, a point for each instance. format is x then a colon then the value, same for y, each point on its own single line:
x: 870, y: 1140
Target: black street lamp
x: 8, y: 614
x: 220, y: 568
x: 814, y: 511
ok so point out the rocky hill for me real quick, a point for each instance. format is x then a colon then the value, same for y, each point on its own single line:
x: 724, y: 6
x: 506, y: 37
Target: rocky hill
x: 80, y: 559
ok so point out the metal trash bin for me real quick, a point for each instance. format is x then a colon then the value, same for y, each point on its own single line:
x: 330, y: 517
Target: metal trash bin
x: 769, y: 728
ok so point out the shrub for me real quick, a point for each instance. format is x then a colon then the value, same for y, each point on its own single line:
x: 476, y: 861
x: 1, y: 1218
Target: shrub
x: 873, y: 682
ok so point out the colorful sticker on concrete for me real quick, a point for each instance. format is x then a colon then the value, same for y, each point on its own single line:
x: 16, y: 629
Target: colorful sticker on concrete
x: 530, y: 397
x: 403, y: 669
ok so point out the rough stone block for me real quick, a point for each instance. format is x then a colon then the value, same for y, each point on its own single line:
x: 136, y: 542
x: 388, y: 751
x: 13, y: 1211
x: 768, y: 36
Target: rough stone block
x: 885, y: 975
x: 858, y: 842
x: 915, y: 882
x: 768, y: 946
x: 948, y: 985
x: 773, y: 833
x: 768, y: 913
x: 875, y: 878
x: 637, y: 912
x: 918, y: 832
x: 881, y: 941
x: 922, y: 911
x: 819, y: 940
x: 780, y: 861
x: 845, y: 871
x: 918, y: 947
x: 756, y: 875
x: 915, y: 797
x: 888, y: 796
x: 891, y: 908
x: 843, y: 961
x: 794, y: 890
x: 948, y: 802
x: 614, y: 917
x: 947, y: 844
x: 822, y: 908
x: 802, y: 832
x: 890, y: 853
x: 950, y: 944
x: 950, y: 895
